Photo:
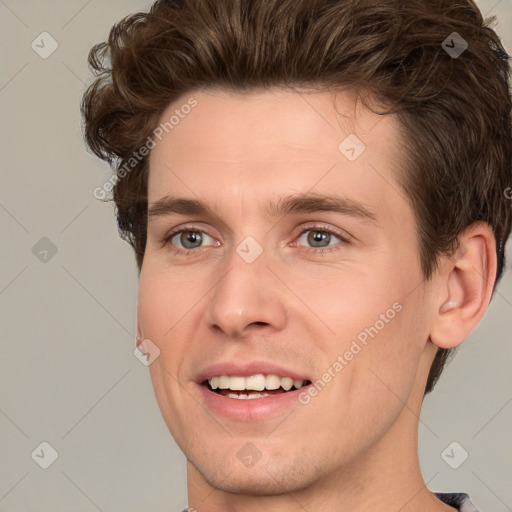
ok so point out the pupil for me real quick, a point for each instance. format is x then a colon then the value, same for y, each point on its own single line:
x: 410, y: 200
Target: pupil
x: 317, y: 237
x: 190, y: 237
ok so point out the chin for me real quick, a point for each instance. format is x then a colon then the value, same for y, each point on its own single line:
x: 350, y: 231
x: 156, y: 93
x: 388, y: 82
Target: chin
x: 266, y: 478
x: 252, y: 482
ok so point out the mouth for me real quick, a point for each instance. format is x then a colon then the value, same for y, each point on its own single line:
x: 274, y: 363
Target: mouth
x: 254, y: 386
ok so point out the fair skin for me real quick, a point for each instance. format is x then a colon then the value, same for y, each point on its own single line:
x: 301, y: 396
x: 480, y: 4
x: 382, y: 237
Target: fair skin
x: 352, y: 446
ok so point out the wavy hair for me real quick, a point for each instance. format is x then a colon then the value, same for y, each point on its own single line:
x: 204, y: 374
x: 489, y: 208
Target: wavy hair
x: 454, y: 112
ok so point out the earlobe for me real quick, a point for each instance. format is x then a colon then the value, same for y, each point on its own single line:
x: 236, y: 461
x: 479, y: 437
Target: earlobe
x: 466, y: 284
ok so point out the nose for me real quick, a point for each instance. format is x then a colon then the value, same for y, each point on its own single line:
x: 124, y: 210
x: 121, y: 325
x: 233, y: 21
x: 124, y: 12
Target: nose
x: 247, y: 297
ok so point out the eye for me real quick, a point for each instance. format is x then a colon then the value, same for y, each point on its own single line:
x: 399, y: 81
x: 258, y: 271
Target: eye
x: 187, y: 239
x: 320, y: 237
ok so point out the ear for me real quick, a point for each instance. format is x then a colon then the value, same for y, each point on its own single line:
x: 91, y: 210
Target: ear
x: 466, y: 282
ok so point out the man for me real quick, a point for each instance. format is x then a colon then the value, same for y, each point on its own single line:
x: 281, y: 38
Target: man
x: 314, y: 191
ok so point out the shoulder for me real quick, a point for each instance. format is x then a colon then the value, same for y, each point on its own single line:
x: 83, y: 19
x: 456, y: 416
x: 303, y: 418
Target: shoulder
x: 459, y: 500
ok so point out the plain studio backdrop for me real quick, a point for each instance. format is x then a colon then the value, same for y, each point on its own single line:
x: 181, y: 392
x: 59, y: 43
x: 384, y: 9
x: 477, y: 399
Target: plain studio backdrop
x: 68, y: 288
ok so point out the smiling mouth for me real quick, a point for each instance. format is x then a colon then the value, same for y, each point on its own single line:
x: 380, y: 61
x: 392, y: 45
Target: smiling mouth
x: 237, y: 387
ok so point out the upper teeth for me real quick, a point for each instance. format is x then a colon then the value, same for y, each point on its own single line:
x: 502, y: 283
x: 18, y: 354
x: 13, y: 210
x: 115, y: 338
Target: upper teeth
x: 257, y: 382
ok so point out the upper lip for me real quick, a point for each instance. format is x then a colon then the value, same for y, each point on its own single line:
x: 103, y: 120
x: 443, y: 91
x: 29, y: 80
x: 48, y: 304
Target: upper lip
x: 247, y: 369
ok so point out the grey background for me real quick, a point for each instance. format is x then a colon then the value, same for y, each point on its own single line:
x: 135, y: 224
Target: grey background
x: 67, y: 369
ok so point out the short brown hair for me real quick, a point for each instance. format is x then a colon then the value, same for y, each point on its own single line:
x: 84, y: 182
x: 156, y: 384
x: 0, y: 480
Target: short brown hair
x: 454, y: 111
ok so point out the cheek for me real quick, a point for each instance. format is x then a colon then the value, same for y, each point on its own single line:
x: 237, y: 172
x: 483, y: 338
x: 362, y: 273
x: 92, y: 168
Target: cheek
x: 160, y: 304
x: 167, y: 308
x: 377, y: 327
x: 394, y: 355
x: 159, y: 309
x: 351, y: 303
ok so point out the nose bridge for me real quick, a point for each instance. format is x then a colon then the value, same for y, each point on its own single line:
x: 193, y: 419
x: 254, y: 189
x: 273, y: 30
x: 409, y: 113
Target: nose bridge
x: 247, y: 292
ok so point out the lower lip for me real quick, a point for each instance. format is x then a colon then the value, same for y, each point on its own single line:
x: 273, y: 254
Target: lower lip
x: 249, y: 409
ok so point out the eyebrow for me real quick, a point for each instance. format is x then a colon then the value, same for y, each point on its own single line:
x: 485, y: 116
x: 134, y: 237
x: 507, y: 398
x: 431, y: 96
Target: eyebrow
x: 294, y: 204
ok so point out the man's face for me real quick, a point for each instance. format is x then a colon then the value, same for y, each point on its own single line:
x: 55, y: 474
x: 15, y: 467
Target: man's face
x: 331, y: 296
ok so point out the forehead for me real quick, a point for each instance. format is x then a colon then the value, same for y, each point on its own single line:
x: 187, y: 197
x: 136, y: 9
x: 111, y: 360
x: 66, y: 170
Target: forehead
x: 226, y: 124
x: 272, y: 139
